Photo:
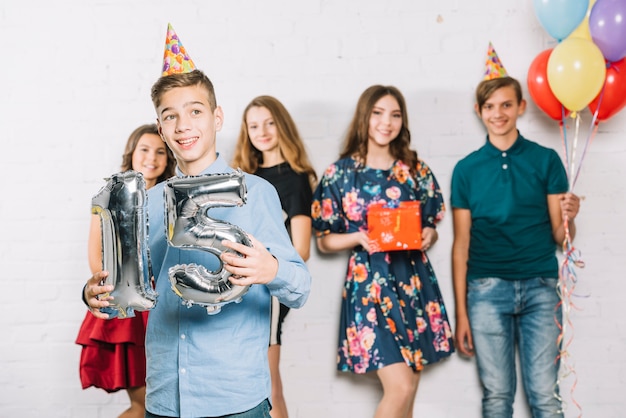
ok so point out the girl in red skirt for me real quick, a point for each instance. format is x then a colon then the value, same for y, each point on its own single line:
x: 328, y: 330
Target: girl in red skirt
x: 113, y: 356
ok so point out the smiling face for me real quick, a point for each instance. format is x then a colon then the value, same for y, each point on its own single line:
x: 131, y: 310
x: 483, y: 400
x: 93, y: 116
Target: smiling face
x: 385, y: 122
x: 189, y: 127
x: 499, y: 113
x: 150, y: 158
x: 262, y: 129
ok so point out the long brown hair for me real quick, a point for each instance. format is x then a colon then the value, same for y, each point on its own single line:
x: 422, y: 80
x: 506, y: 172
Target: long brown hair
x: 290, y: 143
x: 356, y: 140
x: 131, y: 144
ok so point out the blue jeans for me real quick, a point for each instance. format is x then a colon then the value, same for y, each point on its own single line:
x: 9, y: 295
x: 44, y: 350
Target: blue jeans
x: 262, y: 410
x: 504, y: 314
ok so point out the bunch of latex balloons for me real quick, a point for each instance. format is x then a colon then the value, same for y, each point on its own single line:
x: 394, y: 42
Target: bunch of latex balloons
x: 587, y: 68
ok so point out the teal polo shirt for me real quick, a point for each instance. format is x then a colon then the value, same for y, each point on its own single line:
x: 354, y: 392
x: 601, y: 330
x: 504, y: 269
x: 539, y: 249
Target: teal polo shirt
x: 506, y: 193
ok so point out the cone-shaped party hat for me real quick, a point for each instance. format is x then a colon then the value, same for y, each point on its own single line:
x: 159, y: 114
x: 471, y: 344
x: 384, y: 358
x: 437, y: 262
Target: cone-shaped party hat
x: 493, y: 65
x: 175, y: 58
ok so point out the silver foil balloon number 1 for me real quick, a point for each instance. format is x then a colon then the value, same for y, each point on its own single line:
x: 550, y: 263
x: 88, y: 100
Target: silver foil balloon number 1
x: 121, y: 205
x: 189, y: 227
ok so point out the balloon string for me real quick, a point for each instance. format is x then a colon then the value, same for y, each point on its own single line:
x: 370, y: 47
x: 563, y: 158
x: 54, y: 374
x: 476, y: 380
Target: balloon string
x: 593, y: 129
x: 563, y: 129
x: 572, y: 161
x: 567, y: 282
x: 565, y: 289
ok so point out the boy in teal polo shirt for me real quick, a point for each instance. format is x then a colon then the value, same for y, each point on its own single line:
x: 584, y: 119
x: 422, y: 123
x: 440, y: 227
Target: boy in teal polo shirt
x: 509, y: 201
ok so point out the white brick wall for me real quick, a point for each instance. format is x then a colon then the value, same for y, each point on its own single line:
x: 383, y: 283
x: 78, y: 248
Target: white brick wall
x: 75, y: 79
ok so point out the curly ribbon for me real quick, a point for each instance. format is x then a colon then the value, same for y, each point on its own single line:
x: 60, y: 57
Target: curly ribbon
x: 571, y: 256
x: 565, y: 290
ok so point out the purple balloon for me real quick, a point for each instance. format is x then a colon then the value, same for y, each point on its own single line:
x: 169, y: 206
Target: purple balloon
x: 607, y: 25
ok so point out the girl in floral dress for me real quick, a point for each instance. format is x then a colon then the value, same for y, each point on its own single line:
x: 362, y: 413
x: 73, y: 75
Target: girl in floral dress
x: 393, y: 319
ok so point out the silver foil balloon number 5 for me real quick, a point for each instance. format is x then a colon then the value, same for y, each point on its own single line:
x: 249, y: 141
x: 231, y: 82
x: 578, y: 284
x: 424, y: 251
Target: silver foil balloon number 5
x: 187, y: 201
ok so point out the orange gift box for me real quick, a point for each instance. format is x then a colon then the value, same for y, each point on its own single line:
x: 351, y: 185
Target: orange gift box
x: 394, y: 229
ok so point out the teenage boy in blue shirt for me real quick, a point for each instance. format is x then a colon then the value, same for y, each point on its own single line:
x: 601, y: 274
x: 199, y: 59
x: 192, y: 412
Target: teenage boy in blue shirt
x: 201, y: 365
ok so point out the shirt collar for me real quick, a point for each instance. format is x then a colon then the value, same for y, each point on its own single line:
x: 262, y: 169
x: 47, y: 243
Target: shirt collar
x: 516, y: 148
x: 218, y: 166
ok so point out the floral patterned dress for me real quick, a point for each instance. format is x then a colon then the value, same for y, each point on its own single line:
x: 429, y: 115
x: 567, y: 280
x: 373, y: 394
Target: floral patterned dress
x: 392, y: 309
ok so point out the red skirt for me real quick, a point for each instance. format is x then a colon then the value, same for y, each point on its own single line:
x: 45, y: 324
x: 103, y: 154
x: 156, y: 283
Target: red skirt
x: 113, y: 355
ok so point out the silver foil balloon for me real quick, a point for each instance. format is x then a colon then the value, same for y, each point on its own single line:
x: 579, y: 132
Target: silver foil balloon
x: 121, y: 204
x: 187, y: 200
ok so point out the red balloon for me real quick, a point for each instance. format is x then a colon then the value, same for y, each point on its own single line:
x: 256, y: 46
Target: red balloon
x: 613, y: 94
x: 539, y: 88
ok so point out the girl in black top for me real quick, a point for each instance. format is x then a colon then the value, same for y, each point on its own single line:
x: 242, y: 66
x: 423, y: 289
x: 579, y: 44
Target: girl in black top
x: 270, y: 146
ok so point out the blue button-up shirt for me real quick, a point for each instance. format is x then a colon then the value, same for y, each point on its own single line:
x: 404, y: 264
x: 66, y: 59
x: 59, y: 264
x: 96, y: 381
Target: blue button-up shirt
x: 201, y: 365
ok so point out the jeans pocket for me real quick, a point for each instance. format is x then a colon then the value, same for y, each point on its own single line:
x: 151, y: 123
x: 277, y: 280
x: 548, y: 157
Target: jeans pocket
x: 481, y: 285
x: 550, y: 282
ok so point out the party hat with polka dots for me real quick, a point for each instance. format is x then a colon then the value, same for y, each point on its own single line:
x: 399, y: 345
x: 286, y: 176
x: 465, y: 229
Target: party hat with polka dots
x: 493, y: 65
x: 175, y: 58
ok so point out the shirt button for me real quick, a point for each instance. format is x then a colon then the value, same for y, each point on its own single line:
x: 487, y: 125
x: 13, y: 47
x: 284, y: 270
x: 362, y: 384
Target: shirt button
x: 505, y: 166
x: 504, y: 154
x: 183, y: 371
x: 183, y: 336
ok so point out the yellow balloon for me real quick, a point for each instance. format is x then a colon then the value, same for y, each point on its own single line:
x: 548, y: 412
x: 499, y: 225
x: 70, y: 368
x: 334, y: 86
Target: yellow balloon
x: 576, y: 72
x: 582, y: 31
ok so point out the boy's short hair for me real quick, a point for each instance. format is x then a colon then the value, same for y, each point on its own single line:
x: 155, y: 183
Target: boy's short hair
x: 172, y: 81
x: 486, y: 88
